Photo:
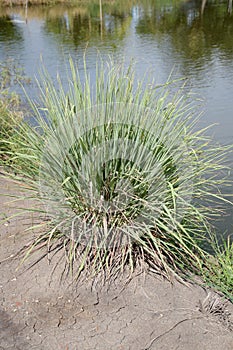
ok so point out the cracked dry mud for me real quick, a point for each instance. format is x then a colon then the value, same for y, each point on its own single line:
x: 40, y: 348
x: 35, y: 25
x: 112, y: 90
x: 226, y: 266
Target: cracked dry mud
x: 39, y: 312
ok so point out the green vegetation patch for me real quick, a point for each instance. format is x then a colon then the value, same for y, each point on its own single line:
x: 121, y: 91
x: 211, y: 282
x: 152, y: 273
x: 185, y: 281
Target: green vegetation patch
x: 219, y: 267
x: 10, y: 109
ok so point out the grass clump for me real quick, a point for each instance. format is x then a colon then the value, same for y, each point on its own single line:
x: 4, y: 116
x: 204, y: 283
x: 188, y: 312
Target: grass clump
x: 119, y: 173
x: 218, y: 272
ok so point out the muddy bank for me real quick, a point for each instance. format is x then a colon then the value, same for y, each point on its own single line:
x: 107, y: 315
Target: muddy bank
x: 37, y: 311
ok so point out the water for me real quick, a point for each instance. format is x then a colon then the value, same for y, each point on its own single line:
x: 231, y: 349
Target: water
x: 162, y: 36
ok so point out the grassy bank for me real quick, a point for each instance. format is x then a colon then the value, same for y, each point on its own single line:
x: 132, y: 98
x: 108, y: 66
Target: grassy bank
x: 10, y: 105
x: 48, y: 2
x: 33, y: 2
x: 77, y: 3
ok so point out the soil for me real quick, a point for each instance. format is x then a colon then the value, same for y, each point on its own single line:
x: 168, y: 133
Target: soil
x: 38, y: 311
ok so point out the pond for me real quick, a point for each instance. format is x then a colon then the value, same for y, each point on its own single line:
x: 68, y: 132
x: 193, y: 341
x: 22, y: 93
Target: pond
x: 192, y: 39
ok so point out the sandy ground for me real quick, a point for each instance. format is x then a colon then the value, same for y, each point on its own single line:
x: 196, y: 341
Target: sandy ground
x: 39, y: 312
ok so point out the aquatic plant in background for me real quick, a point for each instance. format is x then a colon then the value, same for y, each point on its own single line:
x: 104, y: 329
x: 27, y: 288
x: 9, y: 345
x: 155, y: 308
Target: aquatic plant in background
x: 119, y: 171
x: 11, y: 111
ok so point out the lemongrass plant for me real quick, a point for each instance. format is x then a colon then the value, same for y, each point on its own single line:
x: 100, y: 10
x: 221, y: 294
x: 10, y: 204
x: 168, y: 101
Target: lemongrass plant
x: 119, y: 171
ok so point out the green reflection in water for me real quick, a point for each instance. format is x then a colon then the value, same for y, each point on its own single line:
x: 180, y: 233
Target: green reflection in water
x: 192, y: 29
x: 8, y: 30
x: 82, y: 24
